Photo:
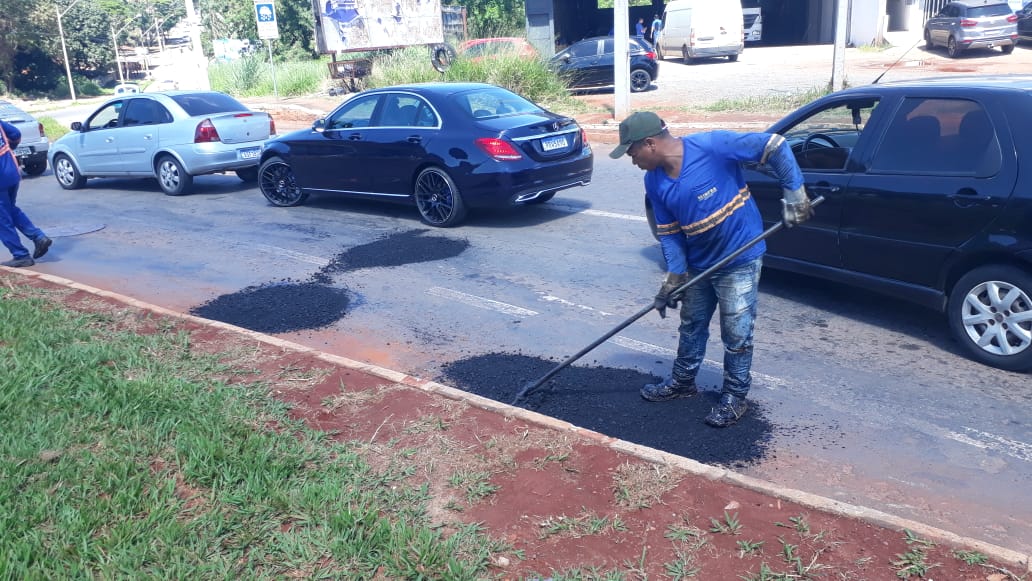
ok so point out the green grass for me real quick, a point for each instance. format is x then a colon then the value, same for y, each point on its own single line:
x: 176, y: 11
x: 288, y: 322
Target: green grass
x: 768, y: 103
x: 123, y: 455
x: 253, y: 76
x: 53, y: 128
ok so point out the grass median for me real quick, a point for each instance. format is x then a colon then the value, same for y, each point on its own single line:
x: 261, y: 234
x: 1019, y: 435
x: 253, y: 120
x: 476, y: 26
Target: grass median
x: 125, y: 453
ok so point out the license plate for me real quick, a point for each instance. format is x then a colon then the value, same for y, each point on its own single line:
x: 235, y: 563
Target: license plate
x: 553, y: 143
x: 22, y: 151
x: 249, y: 153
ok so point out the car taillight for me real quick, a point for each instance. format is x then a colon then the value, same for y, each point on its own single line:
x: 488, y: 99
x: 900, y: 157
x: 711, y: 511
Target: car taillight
x: 272, y: 126
x: 651, y: 55
x: 498, y: 149
x: 206, y: 133
x: 42, y: 132
x: 966, y: 22
x: 1012, y: 18
x: 691, y: 37
x: 584, y: 137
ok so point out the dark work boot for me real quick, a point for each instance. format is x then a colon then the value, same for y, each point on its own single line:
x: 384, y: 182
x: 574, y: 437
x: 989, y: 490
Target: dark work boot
x: 42, y: 245
x: 669, y: 389
x: 728, y: 411
x: 19, y: 262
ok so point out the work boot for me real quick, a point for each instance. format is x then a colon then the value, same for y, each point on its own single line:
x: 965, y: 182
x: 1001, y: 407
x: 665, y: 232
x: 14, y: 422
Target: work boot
x: 19, y: 262
x: 728, y: 411
x: 42, y: 245
x: 669, y: 389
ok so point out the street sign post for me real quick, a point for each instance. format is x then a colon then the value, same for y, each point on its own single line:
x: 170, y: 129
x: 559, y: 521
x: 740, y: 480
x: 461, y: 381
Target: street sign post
x: 268, y: 30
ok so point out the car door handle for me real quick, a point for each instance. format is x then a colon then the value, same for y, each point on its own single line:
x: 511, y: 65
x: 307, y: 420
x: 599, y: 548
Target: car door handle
x: 966, y: 196
x: 148, y: 137
x: 109, y: 140
x: 415, y: 139
x: 825, y: 187
x: 355, y: 137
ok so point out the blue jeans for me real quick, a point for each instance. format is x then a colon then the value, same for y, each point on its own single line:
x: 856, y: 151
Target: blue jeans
x: 734, y: 290
x: 13, y: 220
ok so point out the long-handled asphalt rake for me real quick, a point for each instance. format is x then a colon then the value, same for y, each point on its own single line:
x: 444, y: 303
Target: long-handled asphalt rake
x: 694, y: 280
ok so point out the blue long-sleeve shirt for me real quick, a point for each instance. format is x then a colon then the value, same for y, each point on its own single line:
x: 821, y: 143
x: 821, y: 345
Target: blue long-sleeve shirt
x: 707, y: 212
x: 9, y: 171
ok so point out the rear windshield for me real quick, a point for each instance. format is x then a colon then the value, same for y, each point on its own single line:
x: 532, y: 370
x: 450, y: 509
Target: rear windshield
x: 207, y: 103
x: 492, y: 102
x: 991, y: 10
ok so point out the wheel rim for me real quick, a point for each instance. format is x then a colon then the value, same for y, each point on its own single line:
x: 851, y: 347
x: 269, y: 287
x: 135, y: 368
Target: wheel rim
x: 639, y: 81
x: 65, y: 171
x: 952, y: 47
x: 168, y: 174
x: 278, y: 184
x: 435, y: 197
x: 997, y: 316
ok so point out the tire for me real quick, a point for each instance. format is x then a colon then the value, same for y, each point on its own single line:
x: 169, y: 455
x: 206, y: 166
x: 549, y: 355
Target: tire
x: 68, y: 176
x: 952, y: 48
x: 437, y: 198
x: 541, y: 199
x: 1006, y: 50
x: 279, y: 186
x: 650, y: 217
x: 928, y: 40
x: 641, y: 80
x: 659, y: 53
x: 441, y: 57
x: 34, y: 168
x: 990, y: 314
x: 732, y: 58
x: 248, y: 174
x: 685, y: 57
x: 172, y: 177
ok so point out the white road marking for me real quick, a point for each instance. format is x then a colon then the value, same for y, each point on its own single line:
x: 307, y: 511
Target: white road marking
x: 604, y: 214
x: 987, y: 441
x: 561, y: 301
x: 298, y: 256
x: 768, y: 381
x: 480, y: 302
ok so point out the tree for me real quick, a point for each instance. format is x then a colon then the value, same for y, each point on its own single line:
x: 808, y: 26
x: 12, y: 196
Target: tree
x: 488, y: 18
x: 22, y: 31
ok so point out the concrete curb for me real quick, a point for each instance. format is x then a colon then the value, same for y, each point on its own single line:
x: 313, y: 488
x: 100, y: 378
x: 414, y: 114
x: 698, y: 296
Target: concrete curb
x: 690, y: 466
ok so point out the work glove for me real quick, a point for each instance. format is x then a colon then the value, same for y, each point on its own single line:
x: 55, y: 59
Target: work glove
x: 666, y: 297
x: 796, y: 207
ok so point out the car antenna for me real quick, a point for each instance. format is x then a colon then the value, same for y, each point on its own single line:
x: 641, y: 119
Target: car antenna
x: 875, y: 82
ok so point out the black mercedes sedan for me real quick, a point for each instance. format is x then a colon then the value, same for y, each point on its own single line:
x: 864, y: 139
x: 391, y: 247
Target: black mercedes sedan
x: 445, y: 147
x: 928, y: 199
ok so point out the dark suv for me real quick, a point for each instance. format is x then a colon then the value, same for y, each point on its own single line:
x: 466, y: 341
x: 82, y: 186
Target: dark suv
x: 928, y: 188
x: 589, y: 63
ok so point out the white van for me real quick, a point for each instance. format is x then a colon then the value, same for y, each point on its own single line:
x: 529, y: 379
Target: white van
x: 701, y: 28
x: 752, y: 17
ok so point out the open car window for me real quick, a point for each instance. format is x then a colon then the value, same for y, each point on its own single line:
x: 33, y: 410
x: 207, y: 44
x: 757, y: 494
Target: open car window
x: 825, y: 139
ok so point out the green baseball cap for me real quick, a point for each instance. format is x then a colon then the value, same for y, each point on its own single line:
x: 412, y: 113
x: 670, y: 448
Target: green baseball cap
x: 636, y: 127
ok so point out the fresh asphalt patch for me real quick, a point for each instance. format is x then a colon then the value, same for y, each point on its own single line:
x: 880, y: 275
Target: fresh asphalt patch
x: 606, y: 400
x: 287, y: 306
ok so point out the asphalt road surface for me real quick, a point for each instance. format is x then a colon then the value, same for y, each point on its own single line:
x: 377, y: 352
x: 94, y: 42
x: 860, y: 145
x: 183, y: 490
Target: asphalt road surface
x: 856, y: 397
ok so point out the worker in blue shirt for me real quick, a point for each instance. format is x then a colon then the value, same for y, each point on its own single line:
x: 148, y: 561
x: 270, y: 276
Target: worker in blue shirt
x: 12, y: 219
x: 704, y: 212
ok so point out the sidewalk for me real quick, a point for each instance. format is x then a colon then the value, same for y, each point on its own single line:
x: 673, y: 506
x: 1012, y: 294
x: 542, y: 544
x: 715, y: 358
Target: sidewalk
x: 554, y: 479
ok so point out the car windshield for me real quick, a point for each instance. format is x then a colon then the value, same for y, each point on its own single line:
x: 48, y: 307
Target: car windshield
x: 991, y: 10
x: 493, y: 102
x: 207, y: 103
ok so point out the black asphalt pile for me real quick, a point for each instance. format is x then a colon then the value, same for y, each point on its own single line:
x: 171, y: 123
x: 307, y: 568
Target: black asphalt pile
x: 278, y: 307
x: 288, y: 306
x: 606, y: 400
x: 408, y: 247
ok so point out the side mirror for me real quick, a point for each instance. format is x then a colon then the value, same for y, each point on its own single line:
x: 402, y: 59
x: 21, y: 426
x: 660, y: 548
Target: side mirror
x: 319, y: 125
x: 76, y: 126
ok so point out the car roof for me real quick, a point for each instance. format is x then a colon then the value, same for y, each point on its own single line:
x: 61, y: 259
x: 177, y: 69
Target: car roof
x: 1019, y: 82
x: 977, y: 3
x: 436, y: 88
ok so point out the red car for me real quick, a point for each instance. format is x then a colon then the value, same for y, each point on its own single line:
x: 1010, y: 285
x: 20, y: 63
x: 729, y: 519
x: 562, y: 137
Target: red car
x: 479, y: 48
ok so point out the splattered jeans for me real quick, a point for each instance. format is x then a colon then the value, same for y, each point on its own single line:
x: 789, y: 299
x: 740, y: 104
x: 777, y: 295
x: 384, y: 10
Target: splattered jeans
x: 734, y: 290
x: 13, y: 220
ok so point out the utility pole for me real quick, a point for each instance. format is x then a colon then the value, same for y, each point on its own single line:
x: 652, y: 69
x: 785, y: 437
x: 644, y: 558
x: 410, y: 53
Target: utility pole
x: 621, y: 61
x: 201, y: 75
x: 64, y: 50
x: 838, y: 69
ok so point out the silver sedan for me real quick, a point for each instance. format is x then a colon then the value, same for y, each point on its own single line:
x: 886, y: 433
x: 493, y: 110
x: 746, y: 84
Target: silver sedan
x: 172, y: 136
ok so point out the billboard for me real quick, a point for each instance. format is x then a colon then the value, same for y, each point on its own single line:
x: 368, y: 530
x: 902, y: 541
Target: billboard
x: 355, y: 25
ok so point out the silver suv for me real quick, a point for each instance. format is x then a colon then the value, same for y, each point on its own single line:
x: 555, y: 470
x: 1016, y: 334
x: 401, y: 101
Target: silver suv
x: 32, y: 151
x: 960, y: 26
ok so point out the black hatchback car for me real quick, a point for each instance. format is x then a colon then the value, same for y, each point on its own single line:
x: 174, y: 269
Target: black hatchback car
x: 928, y: 189
x: 589, y: 63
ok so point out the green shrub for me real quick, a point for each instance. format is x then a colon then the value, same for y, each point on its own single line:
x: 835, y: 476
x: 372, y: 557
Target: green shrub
x: 252, y: 76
